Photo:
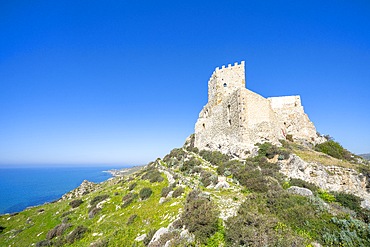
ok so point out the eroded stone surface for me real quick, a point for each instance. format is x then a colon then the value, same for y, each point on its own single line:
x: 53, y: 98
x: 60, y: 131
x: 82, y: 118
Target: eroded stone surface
x: 330, y: 178
x: 235, y: 118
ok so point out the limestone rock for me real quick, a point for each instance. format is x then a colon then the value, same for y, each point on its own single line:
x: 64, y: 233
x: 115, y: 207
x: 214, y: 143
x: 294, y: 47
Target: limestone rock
x: 140, y: 238
x: 300, y: 191
x: 330, y: 178
x: 157, y: 236
x: 85, y: 188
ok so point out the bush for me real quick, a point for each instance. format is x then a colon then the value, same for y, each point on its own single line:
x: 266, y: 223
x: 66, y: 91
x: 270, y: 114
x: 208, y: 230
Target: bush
x: 326, y: 196
x: 174, y: 156
x: 269, y: 151
x: 128, y: 199
x: 334, y: 149
x: 349, y: 201
x: 208, y: 178
x: 57, y: 231
x: 190, y: 166
x: 253, y: 228
x: 132, y: 186
x: 145, y: 193
x: 301, y: 183
x: 131, y: 219
x: 178, y: 192
x: 153, y: 175
x: 43, y: 243
x: 93, y: 211
x: 98, y: 199
x: 214, y: 157
x: 165, y: 191
x: 351, y: 232
x: 289, y: 138
x: 1, y: 229
x: 76, y: 234
x: 75, y: 203
x: 200, y: 216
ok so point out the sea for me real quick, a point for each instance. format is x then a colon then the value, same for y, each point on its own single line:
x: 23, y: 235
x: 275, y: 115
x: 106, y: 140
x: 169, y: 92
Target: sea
x: 30, y: 186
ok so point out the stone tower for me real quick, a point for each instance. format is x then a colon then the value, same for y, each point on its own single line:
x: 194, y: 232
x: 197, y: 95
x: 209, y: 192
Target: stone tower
x: 235, y: 118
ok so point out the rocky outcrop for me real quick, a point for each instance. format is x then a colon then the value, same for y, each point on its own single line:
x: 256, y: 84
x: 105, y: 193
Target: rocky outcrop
x: 330, y: 178
x: 85, y: 188
x: 300, y: 191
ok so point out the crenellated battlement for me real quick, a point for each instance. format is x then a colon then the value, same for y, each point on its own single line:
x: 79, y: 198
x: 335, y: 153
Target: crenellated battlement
x: 230, y: 66
x: 226, y: 80
x: 236, y: 118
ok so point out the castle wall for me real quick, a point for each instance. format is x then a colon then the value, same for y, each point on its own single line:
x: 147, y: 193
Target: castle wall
x: 219, y: 125
x: 292, y: 118
x: 225, y: 81
x: 235, y: 118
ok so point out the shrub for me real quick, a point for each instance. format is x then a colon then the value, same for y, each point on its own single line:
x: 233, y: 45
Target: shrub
x: 76, y: 234
x: 132, y: 186
x: 214, y: 157
x: 165, y: 191
x: 252, y: 228
x: 57, y: 231
x: 350, y: 232
x: 98, y: 199
x: 75, y: 203
x: 200, y: 216
x: 192, y: 149
x: 301, y: 183
x: 289, y: 138
x: 145, y: 193
x: 43, y: 243
x: 149, y: 237
x: 93, y: 211
x: 178, y: 192
x: 207, y: 178
x: 190, y: 166
x: 228, y: 167
x: 269, y: 151
x: 354, y: 203
x: 128, y: 199
x: 131, y: 219
x: 334, y: 149
x: 326, y: 196
x: 176, y: 154
x: 1, y: 229
x: 153, y: 175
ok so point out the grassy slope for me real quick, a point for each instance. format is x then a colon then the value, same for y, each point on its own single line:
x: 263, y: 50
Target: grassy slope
x: 109, y: 224
x: 31, y: 226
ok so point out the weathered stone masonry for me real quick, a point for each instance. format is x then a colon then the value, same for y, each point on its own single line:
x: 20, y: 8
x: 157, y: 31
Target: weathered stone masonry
x: 235, y: 118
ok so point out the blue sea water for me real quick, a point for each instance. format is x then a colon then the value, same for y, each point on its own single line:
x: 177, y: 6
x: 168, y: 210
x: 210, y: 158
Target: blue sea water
x: 24, y: 187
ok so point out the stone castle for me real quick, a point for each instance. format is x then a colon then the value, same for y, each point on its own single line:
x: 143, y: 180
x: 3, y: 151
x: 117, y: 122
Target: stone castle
x: 235, y: 118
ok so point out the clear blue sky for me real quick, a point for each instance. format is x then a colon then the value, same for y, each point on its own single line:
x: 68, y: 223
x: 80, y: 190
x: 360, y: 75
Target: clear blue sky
x: 122, y: 82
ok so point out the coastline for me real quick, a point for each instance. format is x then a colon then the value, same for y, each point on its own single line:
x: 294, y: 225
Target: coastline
x: 30, y: 187
x: 124, y: 171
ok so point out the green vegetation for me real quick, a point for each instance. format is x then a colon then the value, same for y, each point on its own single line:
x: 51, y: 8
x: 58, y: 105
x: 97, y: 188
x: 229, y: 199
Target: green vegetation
x: 260, y: 211
x: 75, y: 203
x: 334, y: 149
x: 145, y: 193
x: 200, y: 216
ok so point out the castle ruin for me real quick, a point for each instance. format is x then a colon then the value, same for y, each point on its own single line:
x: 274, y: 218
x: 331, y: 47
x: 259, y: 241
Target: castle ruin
x: 235, y: 118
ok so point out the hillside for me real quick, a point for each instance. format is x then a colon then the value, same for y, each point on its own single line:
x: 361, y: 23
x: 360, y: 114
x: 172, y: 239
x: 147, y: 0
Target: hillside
x: 365, y: 156
x: 203, y: 198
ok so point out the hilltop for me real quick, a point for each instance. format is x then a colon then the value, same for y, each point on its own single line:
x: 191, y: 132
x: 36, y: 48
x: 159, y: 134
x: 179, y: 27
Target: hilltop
x: 365, y: 156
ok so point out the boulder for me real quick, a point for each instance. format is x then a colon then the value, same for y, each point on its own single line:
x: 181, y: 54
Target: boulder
x: 300, y: 191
